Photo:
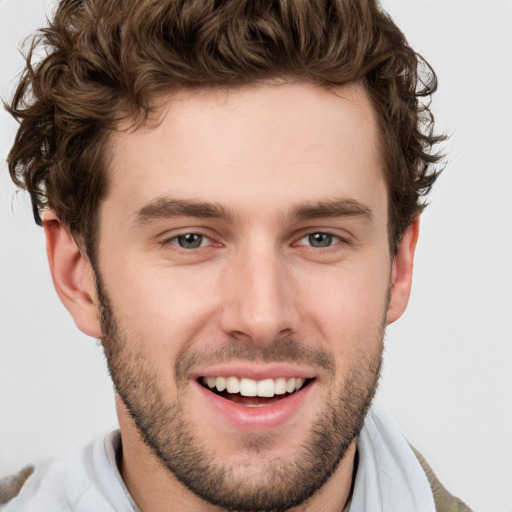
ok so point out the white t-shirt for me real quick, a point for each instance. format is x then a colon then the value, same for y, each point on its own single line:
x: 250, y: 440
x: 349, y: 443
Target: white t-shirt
x: 389, y: 477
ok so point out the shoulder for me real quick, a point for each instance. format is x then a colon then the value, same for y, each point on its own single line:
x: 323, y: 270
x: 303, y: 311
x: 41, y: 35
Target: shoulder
x: 11, y: 486
x: 82, y: 481
x: 445, y: 502
x: 59, y: 486
x: 44, y: 488
x: 396, y: 473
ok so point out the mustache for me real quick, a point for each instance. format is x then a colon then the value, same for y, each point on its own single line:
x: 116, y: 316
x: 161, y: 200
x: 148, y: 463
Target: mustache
x: 279, y: 350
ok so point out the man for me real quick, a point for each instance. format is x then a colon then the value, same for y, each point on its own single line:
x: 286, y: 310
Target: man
x: 230, y: 195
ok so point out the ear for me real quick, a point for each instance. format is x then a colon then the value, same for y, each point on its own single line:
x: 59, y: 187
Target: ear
x: 401, y: 273
x: 72, y: 274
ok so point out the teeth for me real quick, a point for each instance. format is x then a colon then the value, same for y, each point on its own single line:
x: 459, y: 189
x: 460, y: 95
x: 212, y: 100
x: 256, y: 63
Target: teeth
x: 248, y: 387
x: 280, y: 386
x: 266, y: 388
x: 233, y: 385
x: 221, y: 383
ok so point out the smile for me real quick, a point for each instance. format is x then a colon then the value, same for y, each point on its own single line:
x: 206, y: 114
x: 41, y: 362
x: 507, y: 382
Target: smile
x: 253, y: 393
x: 255, y: 398
x: 250, y: 387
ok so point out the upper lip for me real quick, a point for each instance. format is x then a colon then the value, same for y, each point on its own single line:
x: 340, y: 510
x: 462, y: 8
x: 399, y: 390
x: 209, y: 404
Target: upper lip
x: 255, y: 371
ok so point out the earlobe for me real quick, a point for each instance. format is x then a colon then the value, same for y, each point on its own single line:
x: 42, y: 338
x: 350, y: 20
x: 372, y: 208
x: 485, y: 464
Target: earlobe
x: 401, y: 273
x: 72, y: 274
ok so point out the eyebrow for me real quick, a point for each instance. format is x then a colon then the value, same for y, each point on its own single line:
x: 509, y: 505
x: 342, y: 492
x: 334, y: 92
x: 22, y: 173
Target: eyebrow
x: 343, y: 207
x: 164, y: 208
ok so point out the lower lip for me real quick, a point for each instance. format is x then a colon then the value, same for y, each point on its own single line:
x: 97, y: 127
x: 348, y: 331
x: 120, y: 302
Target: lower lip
x: 256, y: 419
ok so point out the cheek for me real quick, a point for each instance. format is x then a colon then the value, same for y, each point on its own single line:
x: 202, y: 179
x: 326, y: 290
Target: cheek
x: 347, y: 308
x: 162, y: 308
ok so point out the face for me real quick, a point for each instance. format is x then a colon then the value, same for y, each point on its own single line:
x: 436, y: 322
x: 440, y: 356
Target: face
x: 244, y: 274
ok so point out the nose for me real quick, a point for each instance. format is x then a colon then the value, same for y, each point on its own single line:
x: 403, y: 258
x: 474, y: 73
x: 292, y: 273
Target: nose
x: 259, y: 302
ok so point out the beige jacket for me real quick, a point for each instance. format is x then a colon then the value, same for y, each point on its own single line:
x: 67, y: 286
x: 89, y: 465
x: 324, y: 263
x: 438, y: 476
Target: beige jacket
x: 444, y: 501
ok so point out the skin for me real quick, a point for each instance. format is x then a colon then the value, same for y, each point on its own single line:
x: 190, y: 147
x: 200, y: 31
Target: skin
x: 265, y: 154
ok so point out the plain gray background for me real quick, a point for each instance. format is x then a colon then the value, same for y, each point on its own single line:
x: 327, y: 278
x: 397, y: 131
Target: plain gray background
x: 448, y: 362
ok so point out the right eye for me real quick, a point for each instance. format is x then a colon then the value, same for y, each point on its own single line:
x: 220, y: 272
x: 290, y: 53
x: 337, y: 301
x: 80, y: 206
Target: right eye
x: 319, y: 240
x: 190, y: 241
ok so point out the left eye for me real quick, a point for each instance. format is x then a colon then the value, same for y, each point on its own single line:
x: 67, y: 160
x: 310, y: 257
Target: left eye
x: 319, y: 240
x: 191, y: 241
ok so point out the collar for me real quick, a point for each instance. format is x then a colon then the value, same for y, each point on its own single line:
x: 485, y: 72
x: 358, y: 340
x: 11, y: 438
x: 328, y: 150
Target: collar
x: 389, y: 476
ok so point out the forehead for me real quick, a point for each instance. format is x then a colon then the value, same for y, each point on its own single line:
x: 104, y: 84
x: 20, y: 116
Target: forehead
x: 267, y: 144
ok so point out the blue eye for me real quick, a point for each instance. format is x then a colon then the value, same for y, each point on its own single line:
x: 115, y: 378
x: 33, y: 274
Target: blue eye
x: 319, y: 240
x: 191, y: 241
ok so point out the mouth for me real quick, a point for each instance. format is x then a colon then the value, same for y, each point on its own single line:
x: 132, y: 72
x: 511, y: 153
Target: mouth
x: 254, y: 393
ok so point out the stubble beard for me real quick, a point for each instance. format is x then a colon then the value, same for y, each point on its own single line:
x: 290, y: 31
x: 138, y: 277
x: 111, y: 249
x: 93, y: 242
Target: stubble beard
x: 280, y: 484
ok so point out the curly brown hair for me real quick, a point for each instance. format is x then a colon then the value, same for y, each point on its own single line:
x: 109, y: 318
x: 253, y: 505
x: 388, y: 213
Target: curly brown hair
x: 105, y: 61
